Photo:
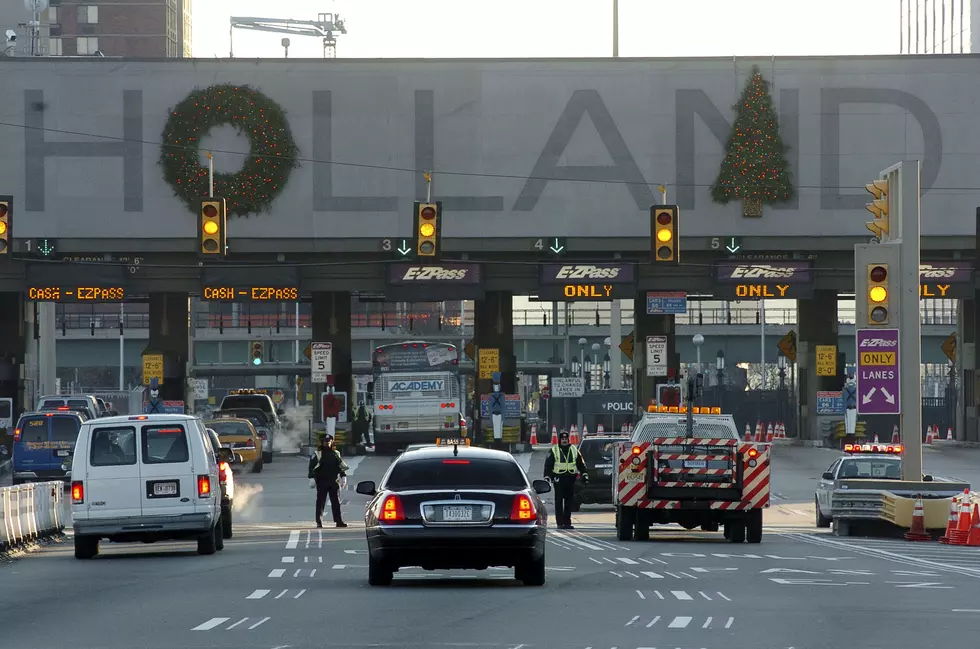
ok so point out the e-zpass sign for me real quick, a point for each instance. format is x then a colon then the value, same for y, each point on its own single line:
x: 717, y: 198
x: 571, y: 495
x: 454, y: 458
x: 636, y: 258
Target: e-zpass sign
x: 430, y: 385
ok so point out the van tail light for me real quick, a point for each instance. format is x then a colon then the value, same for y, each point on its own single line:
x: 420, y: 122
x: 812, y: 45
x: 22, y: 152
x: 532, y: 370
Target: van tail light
x: 223, y: 470
x: 63, y: 408
x: 203, y: 486
x: 391, y: 510
x: 17, y: 434
x: 523, y: 510
x: 77, y: 492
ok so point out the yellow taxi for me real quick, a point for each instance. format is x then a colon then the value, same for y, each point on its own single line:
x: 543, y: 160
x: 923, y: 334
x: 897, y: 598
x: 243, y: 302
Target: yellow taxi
x: 241, y: 437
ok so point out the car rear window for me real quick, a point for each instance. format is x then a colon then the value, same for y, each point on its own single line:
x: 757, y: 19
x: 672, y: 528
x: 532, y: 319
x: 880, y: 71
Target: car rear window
x: 79, y: 403
x: 34, y: 429
x: 451, y: 473
x: 229, y: 428
x: 64, y: 429
x: 246, y: 401
x: 165, y: 444
x: 596, y: 451
x: 51, y: 403
x: 113, y: 446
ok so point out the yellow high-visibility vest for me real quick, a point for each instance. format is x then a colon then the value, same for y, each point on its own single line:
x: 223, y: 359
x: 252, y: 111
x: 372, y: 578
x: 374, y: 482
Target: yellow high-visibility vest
x: 565, y: 465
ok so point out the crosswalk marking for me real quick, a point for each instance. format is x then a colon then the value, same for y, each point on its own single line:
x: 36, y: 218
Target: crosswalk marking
x: 635, y: 618
x: 278, y: 572
x: 293, y: 540
x: 651, y: 575
x: 259, y: 623
x: 238, y: 623
x: 248, y: 623
x: 653, y: 621
x: 258, y: 594
x: 684, y: 596
x: 728, y: 624
x: 680, y: 594
x: 680, y: 622
x: 628, y: 561
x: 210, y: 624
x: 707, y: 623
x: 288, y: 559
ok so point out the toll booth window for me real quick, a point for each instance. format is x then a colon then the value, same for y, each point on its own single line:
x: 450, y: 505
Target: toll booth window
x: 597, y: 452
x: 34, y: 429
x: 868, y: 469
x: 165, y: 445
x: 64, y: 429
x: 113, y: 446
x: 456, y: 473
x: 229, y: 428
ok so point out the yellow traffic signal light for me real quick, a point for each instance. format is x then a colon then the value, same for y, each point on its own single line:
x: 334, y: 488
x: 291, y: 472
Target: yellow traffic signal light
x: 212, y: 227
x: 6, y: 219
x: 665, y: 244
x: 878, y: 207
x: 427, y: 233
x: 256, y: 352
x: 877, y: 294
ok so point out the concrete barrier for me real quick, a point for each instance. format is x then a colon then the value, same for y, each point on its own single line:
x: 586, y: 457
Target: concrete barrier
x: 30, y: 512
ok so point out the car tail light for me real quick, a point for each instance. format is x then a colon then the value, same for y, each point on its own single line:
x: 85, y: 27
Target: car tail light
x: 455, y: 461
x: 523, y: 509
x: 250, y: 444
x: 264, y: 435
x: 63, y: 408
x: 391, y: 510
x: 637, y: 450
x: 450, y: 404
x: 77, y: 493
x: 203, y: 486
x: 17, y: 434
x: 223, y: 469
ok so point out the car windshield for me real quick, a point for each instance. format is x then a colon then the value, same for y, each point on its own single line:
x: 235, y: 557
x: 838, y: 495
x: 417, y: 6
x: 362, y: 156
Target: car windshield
x: 871, y: 468
x: 597, y: 451
x: 223, y: 428
x: 456, y: 473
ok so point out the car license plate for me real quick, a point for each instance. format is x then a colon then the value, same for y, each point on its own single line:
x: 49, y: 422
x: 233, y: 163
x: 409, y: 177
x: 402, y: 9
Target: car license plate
x: 633, y: 476
x: 695, y: 464
x: 607, y: 472
x: 457, y: 513
x: 62, y: 453
x: 403, y: 424
x: 165, y: 489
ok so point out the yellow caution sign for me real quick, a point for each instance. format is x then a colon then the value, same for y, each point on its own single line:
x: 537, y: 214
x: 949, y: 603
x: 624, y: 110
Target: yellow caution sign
x: 881, y: 359
x: 152, y: 368
x: 489, y: 362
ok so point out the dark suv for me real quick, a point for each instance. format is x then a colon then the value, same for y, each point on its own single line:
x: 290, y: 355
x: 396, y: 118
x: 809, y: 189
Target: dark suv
x: 597, y: 451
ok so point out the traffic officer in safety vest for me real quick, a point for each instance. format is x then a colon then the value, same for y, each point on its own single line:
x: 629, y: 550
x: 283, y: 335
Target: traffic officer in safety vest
x: 561, y: 468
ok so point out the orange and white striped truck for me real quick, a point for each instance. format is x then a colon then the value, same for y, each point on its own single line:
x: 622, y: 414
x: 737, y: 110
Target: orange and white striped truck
x: 709, y: 479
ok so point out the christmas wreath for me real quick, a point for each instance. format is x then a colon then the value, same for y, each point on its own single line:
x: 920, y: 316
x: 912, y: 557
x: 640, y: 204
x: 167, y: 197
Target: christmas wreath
x: 271, y: 157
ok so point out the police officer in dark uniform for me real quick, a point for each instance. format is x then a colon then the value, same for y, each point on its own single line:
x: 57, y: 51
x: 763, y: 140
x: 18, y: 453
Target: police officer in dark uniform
x: 561, y: 467
x: 327, y: 473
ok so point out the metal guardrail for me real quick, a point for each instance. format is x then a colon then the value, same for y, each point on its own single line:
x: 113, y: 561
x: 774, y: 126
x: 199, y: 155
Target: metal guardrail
x: 29, y: 512
x: 422, y: 323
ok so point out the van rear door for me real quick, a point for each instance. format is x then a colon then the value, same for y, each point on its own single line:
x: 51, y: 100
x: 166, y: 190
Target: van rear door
x: 32, y: 450
x: 112, y: 479
x: 167, y: 476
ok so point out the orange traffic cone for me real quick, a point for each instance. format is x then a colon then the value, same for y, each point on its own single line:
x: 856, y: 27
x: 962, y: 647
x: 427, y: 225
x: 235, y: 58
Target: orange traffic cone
x: 896, y: 438
x: 573, y: 436
x: 918, y: 530
x: 949, y: 434
x: 781, y: 431
x: 599, y: 430
x: 769, y: 434
x: 554, y: 435
x: 534, y: 434
x: 758, y: 432
x: 748, y: 433
x: 876, y: 439
x: 953, y: 518
x: 928, y: 435
x: 974, y: 537
x: 960, y: 535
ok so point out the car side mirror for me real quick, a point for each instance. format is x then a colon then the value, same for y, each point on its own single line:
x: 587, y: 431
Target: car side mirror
x: 366, y: 488
x: 827, y: 475
x: 541, y: 486
x: 226, y: 455
x: 927, y: 478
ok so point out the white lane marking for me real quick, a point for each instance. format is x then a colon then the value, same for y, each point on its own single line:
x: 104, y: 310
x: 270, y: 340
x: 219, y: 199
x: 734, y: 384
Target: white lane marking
x: 281, y: 594
x: 319, y: 538
x: 632, y: 574
x: 241, y: 621
x: 616, y: 573
x: 681, y: 595
x: 309, y: 538
x: 653, y: 621
x: 671, y: 574
x: 299, y: 594
x: 312, y: 572
x: 966, y: 610
x: 631, y: 622
x: 652, y: 561
x: 258, y: 594
x: 627, y: 561
x: 707, y: 623
x: 298, y: 570
x: 594, y: 560
x: 704, y: 595
x: 339, y: 566
x: 722, y: 595
x: 577, y: 541
x: 278, y: 572
x: 608, y: 560
x: 680, y: 622
x: 657, y: 593
x: 319, y: 559
x: 640, y: 593
x: 259, y: 623
x: 728, y: 624
x: 651, y: 575
x: 289, y: 559
x: 210, y: 624
x: 293, y: 540
x: 687, y: 575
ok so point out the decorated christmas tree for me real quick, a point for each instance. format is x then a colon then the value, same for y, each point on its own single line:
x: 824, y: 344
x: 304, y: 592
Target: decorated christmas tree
x: 754, y: 169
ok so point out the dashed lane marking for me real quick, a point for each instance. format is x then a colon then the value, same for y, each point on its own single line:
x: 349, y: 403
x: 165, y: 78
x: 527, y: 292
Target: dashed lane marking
x: 210, y: 624
x: 289, y: 559
x: 278, y: 572
x: 262, y: 592
x: 684, y: 596
x: 258, y: 594
x: 293, y: 540
x: 246, y: 623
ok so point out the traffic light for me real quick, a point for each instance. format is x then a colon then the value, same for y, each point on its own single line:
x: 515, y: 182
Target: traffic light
x: 212, y: 227
x: 256, y: 352
x: 878, y: 207
x: 6, y: 223
x: 878, y: 294
x: 428, y: 237
x: 665, y: 244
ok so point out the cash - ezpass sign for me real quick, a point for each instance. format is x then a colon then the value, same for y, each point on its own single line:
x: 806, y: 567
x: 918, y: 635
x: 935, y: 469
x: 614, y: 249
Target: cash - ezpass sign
x: 763, y: 280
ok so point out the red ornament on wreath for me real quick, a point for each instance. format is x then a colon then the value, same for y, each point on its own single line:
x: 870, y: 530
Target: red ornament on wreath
x: 266, y: 167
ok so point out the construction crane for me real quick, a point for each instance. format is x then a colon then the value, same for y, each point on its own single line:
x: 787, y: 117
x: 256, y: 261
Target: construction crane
x: 327, y: 26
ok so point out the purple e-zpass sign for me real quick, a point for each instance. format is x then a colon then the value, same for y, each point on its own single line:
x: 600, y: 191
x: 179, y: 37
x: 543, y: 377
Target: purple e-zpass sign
x: 877, y: 372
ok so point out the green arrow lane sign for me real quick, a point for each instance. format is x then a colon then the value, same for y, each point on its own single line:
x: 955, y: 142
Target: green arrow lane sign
x: 403, y: 250
x: 557, y: 246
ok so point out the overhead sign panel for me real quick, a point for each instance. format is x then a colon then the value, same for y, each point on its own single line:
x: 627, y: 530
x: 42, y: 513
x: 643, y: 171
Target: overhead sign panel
x: 946, y: 279
x: 763, y: 280
x: 586, y: 281
x: 415, y: 282
x: 878, y: 372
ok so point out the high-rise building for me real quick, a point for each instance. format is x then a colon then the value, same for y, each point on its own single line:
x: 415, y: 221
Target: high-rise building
x: 939, y: 26
x: 143, y: 29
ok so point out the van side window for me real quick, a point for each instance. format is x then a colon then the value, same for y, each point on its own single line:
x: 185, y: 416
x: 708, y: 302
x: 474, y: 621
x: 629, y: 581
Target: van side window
x: 113, y: 446
x: 165, y: 444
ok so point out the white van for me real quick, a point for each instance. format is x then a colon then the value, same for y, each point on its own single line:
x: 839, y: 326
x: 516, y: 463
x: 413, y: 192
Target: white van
x: 145, y: 478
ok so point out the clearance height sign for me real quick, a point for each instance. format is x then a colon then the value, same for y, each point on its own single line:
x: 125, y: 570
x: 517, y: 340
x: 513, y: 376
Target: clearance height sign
x: 763, y: 280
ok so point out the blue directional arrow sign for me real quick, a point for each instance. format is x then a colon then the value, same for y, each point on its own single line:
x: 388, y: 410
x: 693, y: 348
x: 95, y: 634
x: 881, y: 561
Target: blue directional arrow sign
x: 733, y: 246
x: 557, y: 246
x: 404, y: 248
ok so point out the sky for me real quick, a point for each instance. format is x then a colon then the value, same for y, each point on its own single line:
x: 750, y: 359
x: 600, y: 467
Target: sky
x: 560, y: 28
